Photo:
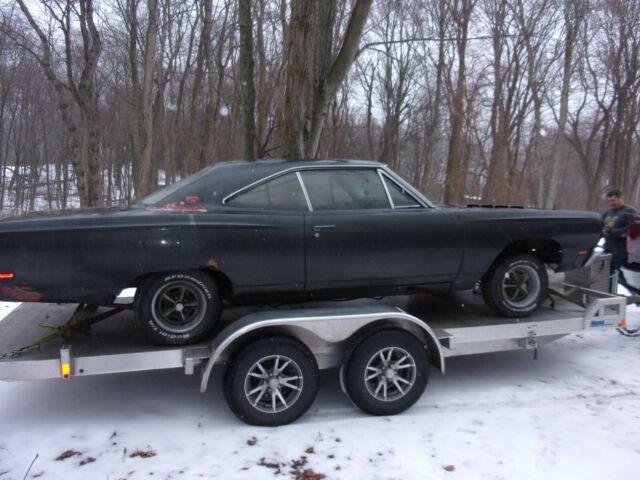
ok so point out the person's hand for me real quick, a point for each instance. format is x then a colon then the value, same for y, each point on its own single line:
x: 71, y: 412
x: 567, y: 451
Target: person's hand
x: 606, y: 231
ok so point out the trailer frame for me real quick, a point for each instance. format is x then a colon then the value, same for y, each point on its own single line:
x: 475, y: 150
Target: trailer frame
x: 327, y: 332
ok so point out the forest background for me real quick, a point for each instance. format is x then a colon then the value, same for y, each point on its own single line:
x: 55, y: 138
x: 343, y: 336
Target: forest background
x: 529, y: 102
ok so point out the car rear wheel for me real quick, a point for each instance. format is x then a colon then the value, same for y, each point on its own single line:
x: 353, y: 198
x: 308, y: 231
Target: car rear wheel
x: 271, y: 382
x: 387, y: 372
x: 178, y: 308
x: 516, y: 286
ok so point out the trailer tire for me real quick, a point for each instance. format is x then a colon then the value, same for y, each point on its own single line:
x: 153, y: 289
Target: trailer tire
x: 167, y: 319
x: 387, y: 372
x: 515, y: 286
x: 271, y: 382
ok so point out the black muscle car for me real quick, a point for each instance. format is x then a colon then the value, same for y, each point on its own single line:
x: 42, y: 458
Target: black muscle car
x: 277, y: 231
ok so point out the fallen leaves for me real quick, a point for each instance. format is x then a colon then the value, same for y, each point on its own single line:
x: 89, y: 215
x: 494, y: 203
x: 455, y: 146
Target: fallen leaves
x: 273, y: 465
x: 143, y: 454
x: 86, y: 461
x: 298, y: 470
x: 67, y: 454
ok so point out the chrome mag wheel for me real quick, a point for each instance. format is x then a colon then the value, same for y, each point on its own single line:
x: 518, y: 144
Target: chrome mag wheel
x: 273, y: 384
x: 390, y: 373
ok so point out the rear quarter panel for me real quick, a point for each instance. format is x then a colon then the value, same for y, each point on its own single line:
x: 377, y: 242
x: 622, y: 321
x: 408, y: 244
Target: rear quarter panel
x: 488, y: 232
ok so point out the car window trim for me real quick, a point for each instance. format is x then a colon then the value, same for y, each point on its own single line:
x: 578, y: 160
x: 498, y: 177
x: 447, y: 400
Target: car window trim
x: 386, y: 190
x: 293, y: 169
x: 249, y: 188
x: 420, y: 199
x: 304, y: 191
x: 384, y: 179
x: 361, y: 167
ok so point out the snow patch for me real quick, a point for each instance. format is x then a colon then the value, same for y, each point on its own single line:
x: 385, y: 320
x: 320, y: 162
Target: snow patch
x: 6, y: 308
x: 572, y: 413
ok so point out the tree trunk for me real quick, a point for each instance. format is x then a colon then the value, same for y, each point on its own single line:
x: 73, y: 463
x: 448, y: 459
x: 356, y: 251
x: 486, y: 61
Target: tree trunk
x: 310, y: 90
x: 83, y: 140
x: 245, y: 70
x: 145, y: 170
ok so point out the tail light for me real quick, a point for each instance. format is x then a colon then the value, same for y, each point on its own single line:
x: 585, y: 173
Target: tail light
x: 7, y: 275
x: 633, y: 242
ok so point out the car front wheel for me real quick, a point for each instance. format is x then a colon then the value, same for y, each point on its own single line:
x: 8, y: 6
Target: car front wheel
x: 178, y: 308
x: 516, y: 286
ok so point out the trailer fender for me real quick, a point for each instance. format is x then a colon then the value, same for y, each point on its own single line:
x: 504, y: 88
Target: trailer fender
x: 330, y: 325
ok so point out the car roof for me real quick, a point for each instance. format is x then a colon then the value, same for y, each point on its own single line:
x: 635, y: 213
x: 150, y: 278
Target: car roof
x: 271, y: 166
x: 230, y: 176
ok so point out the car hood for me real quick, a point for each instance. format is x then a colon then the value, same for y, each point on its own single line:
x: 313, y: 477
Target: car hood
x: 590, y: 220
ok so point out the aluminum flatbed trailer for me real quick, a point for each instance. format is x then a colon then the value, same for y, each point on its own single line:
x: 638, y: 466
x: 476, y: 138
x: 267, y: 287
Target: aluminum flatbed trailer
x: 272, y: 357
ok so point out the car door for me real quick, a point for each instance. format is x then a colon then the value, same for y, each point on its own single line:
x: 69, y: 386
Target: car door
x: 356, y: 236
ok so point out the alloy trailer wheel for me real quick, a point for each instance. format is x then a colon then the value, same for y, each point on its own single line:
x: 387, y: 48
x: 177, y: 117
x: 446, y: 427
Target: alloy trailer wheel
x: 178, y: 308
x: 516, y: 286
x: 387, y: 372
x: 271, y: 382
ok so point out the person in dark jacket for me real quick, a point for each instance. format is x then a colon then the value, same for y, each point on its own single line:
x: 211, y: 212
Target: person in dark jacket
x: 615, y: 222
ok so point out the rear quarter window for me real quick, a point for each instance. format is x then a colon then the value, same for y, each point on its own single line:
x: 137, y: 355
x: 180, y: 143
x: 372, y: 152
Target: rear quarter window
x: 282, y: 193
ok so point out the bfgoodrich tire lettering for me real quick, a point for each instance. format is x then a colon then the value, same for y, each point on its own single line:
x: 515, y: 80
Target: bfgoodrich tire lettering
x: 387, y: 372
x: 516, y: 286
x: 178, y: 308
x: 271, y: 382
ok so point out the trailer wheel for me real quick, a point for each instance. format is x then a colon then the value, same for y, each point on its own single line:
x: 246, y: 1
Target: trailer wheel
x: 387, y: 372
x: 516, y: 286
x: 178, y: 308
x: 271, y: 382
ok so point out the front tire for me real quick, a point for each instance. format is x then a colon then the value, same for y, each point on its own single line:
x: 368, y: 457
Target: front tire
x: 516, y: 286
x: 387, y: 372
x: 178, y: 308
x: 271, y: 382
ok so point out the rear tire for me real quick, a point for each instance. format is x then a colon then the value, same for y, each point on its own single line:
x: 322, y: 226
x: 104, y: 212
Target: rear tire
x: 516, y: 286
x: 387, y: 372
x: 178, y: 308
x: 271, y: 382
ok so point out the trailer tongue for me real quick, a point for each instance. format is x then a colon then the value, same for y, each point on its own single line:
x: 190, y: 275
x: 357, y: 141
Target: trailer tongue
x: 272, y: 357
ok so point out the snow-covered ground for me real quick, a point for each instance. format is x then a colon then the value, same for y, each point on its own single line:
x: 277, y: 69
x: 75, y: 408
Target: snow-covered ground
x: 574, y: 413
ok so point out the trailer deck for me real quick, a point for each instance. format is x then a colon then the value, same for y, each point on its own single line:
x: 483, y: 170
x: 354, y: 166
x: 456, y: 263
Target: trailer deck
x: 461, y: 322
x: 444, y: 325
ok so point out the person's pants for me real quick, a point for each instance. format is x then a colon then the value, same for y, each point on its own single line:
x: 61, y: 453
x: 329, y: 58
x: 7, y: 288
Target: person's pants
x: 617, y: 262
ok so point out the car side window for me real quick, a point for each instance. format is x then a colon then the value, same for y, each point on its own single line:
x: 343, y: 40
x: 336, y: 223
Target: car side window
x: 281, y: 193
x: 346, y: 189
x: 399, y: 196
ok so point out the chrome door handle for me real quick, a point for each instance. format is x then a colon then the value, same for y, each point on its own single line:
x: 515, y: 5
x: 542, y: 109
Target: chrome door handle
x: 317, y: 228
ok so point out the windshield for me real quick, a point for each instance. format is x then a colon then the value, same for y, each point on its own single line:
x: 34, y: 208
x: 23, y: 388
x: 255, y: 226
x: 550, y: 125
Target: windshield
x: 168, y: 193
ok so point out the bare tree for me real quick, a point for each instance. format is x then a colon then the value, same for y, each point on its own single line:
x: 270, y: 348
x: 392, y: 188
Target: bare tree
x: 142, y: 72
x: 76, y: 85
x: 460, y: 12
x: 311, y: 89
x: 247, y: 88
x: 573, y: 16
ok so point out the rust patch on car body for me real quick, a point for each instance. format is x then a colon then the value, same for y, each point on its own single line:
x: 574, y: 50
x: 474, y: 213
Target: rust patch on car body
x: 183, y: 207
x: 24, y: 293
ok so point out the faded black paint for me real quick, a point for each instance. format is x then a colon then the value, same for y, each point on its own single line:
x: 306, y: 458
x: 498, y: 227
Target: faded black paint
x: 89, y: 256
